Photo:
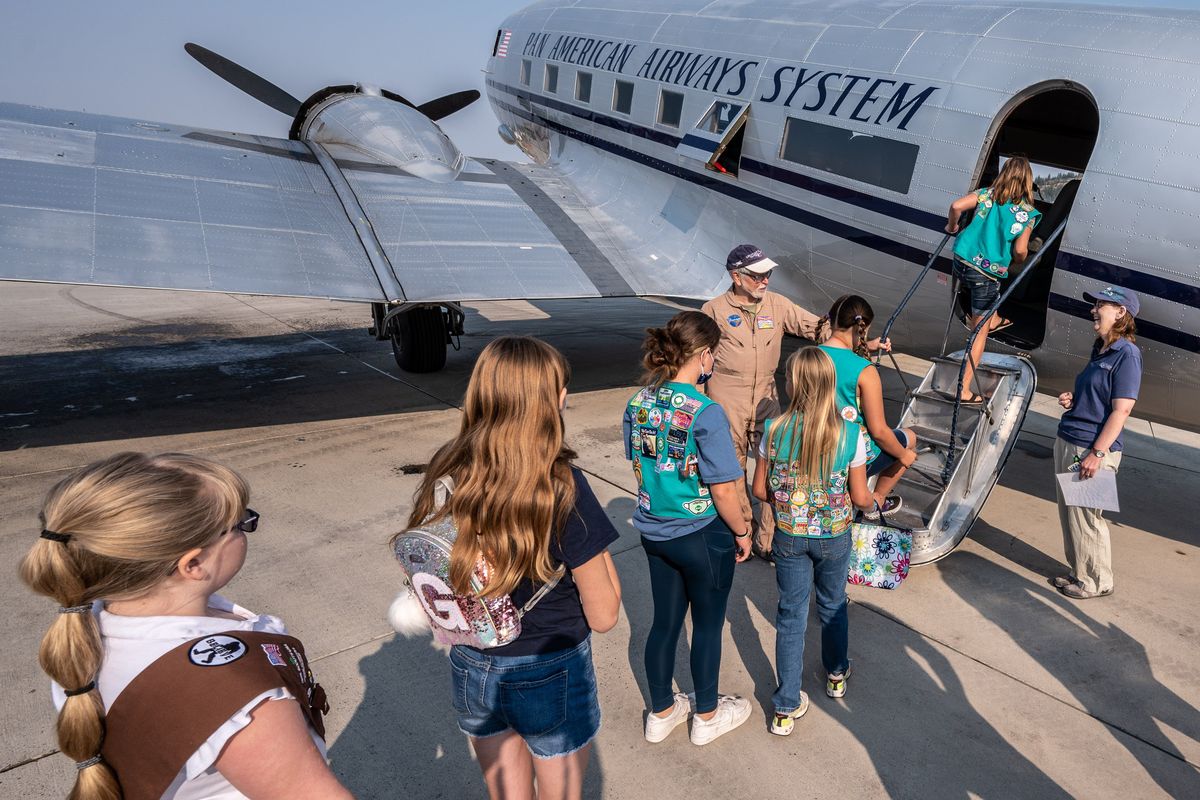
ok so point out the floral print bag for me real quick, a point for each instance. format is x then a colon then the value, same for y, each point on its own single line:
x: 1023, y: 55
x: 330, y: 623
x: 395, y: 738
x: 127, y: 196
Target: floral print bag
x: 879, y: 554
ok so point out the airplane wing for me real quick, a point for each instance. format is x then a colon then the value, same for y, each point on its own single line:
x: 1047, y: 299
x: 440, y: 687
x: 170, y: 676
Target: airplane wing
x: 92, y: 199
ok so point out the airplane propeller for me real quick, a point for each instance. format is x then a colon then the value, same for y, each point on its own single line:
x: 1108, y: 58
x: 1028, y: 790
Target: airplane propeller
x: 268, y: 93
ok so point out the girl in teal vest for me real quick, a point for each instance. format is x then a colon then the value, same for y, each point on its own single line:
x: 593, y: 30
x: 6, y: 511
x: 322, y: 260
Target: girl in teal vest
x: 996, y: 238
x: 690, y: 518
x: 812, y: 468
x: 890, y: 451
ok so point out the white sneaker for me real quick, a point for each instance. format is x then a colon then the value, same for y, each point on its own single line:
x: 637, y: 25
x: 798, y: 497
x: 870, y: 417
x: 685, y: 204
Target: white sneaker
x: 783, y: 724
x: 658, y: 728
x: 732, y: 711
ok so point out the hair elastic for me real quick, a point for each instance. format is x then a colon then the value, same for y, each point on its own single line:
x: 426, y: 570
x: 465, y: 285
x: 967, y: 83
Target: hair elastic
x: 56, y: 537
x: 83, y: 609
x: 91, y: 762
x: 81, y: 690
x: 858, y: 317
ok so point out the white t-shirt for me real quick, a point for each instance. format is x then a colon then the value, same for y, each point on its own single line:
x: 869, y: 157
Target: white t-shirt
x: 133, y: 643
x: 859, y: 458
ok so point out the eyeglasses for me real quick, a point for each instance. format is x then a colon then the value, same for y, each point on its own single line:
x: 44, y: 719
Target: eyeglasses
x: 757, y: 277
x: 249, y: 524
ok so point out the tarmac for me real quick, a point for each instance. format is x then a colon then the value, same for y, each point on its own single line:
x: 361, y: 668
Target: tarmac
x: 975, y: 679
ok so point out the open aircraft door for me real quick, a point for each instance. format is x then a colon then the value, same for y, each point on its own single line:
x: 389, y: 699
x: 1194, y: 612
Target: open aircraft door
x: 716, y: 140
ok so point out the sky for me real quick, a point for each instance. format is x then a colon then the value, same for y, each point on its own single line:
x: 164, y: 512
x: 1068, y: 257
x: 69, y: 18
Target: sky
x: 126, y: 58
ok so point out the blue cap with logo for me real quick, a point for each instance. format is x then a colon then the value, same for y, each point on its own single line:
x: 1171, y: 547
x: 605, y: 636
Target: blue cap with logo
x: 1115, y: 294
x: 749, y: 257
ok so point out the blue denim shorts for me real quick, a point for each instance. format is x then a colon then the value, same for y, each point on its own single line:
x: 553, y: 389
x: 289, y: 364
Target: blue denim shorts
x: 984, y: 291
x: 883, y: 460
x: 549, y: 699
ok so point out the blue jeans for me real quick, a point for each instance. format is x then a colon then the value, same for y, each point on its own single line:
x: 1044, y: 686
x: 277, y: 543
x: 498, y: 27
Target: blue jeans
x: 983, y: 290
x: 883, y: 460
x: 549, y: 698
x: 799, y: 562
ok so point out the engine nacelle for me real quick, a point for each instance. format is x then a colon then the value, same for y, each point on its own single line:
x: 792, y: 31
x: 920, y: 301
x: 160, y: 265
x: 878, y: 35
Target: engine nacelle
x: 386, y: 131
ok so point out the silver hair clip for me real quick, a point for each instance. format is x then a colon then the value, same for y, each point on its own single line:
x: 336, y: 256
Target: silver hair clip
x: 84, y: 609
x: 90, y: 762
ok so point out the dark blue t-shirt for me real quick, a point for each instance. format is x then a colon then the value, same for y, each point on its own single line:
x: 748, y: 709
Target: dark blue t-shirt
x: 557, y: 621
x: 1110, y: 375
x: 718, y: 464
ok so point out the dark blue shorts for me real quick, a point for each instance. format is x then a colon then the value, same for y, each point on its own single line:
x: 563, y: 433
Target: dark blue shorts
x: 549, y: 699
x: 984, y: 291
x: 883, y: 460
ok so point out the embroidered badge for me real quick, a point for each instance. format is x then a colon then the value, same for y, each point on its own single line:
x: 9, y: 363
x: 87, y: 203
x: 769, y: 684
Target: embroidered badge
x: 274, y: 655
x: 734, y: 320
x: 643, y: 501
x: 216, y: 651
x: 655, y: 416
x: 782, y: 496
x: 692, y: 466
x: 649, y: 443
x: 676, y: 451
x: 690, y: 405
x: 765, y: 323
x: 703, y: 490
x: 682, y: 419
x: 643, y: 416
x: 849, y: 413
x: 663, y: 398
x: 678, y: 400
x: 1016, y: 227
x: 697, y: 506
x: 1022, y: 216
x: 665, y: 466
x: 677, y: 436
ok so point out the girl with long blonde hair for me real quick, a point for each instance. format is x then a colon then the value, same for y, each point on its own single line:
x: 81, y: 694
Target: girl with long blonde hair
x: 521, y: 507
x: 133, y: 550
x: 812, y: 471
x: 996, y: 238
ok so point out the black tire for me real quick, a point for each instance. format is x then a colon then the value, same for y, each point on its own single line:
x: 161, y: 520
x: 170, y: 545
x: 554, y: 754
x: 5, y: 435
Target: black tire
x: 419, y: 340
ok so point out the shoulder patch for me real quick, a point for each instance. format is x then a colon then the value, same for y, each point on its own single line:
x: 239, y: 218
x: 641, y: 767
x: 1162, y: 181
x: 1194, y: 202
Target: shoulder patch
x: 734, y: 320
x: 216, y: 651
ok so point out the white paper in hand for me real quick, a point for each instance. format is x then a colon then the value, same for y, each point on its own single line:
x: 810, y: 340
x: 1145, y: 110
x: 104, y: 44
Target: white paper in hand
x: 1098, y: 491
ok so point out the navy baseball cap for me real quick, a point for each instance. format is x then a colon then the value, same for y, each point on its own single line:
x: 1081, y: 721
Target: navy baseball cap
x: 1115, y: 294
x: 749, y: 257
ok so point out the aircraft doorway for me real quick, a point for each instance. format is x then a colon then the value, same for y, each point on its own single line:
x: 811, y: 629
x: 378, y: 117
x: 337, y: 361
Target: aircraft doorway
x: 1055, y: 127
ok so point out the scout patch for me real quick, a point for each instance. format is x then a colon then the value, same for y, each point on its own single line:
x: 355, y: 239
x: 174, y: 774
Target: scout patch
x: 676, y: 451
x: 656, y: 417
x: 643, y: 416
x: 664, y: 466
x: 691, y: 405
x: 682, y: 419
x: 663, y: 398
x: 216, y: 651
x: 274, y: 655
x: 783, y: 522
x: 697, y: 507
x: 637, y: 470
x: 677, y: 436
x: 678, y: 400
x: 643, y: 501
x: 692, y: 466
x: 703, y: 490
x: 782, y: 496
x: 635, y: 441
x: 734, y: 320
x: 649, y: 443
x: 765, y: 323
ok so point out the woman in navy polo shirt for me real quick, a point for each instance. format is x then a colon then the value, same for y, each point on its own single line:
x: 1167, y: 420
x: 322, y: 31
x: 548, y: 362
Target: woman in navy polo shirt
x: 1089, y: 437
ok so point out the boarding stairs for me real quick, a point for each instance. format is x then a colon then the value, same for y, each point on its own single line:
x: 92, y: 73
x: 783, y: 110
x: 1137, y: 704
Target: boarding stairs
x: 961, y: 448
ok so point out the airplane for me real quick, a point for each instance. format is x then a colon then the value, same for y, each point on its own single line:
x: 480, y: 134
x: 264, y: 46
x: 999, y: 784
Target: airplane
x: 663, y: 132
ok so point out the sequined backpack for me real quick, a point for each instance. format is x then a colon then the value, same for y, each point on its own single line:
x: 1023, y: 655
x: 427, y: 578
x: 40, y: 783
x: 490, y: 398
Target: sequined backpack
x: 429, y: 602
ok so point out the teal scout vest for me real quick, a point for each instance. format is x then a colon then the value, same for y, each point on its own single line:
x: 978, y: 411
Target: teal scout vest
x: 986, y: 243
x: 820, y: 511
x: 665, y: 459
x: 849, y: 365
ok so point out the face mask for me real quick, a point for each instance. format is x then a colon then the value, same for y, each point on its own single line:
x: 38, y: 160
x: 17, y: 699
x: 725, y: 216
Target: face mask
x: 705, y: 375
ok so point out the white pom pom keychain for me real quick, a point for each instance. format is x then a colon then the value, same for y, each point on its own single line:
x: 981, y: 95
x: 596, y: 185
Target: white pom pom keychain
x: 406, y: 614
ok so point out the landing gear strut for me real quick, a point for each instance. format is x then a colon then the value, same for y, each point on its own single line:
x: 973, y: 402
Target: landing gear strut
x: 418, y: 333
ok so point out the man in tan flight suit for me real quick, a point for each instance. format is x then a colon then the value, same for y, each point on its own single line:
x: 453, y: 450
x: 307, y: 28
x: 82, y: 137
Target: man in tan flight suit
x: 753, y: 322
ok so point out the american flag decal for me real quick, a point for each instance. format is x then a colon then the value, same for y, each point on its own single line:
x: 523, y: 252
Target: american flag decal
x: 502, y: 48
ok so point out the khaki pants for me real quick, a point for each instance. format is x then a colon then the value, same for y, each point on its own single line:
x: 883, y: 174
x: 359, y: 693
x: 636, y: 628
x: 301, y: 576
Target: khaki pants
x: 1085, y: 533
x: 761, y: 519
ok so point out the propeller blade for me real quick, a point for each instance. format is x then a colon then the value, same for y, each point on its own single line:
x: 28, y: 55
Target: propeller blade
x: 445, y: 106
x: 257, y: 87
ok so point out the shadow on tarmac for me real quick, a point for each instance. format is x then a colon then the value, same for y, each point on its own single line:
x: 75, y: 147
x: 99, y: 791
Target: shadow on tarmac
x: 1080, y: 651
x: 403, y: 740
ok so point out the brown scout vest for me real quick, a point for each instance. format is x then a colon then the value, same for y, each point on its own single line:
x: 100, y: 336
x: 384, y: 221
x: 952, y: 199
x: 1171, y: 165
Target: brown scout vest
x: 173, y: 706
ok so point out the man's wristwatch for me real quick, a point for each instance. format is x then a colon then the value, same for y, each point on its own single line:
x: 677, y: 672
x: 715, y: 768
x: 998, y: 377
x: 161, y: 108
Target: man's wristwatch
x: 1099, y: 453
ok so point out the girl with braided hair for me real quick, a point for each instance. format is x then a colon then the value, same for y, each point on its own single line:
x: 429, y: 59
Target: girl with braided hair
x: 860, y: 398
x: 164, y: 687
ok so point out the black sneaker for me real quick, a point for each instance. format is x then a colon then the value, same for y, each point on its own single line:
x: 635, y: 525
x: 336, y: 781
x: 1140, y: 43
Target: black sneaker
x: 891, y: 505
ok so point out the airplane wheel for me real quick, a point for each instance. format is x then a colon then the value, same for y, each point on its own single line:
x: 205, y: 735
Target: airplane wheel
x: 419, y: 340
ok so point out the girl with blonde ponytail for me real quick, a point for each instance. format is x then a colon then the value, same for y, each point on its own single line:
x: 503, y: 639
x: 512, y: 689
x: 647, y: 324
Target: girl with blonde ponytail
x: 811, y: 470
x: 133, y: 549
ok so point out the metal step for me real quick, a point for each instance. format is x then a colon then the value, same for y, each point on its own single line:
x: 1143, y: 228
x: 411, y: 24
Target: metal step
x: 991, y: 368
x: 939, y: 437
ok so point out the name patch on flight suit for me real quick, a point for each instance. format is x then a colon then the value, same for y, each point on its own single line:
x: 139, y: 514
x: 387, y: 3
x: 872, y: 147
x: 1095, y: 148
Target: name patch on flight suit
x: 764, y: 322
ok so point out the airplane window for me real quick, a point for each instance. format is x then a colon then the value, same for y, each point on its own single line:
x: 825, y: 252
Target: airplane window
x: 623, y: 97
x: 583, y: 87
x: 670, y: 108
x: 719, y: 116
x: 525, y: 69
x: 887, y: 163
x: 550, y: 84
